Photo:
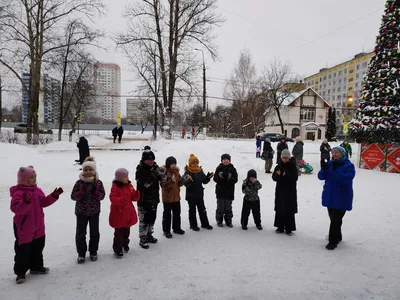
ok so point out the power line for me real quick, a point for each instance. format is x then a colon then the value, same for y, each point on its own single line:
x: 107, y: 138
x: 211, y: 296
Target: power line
x: 335, y: 30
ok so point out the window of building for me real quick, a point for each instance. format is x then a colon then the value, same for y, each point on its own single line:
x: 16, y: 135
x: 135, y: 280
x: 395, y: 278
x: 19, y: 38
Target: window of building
x: 330, y: 76
x: 356, y: 84
x: 358, y: 67
x: 339, y: 89
x: 351, y: 79
x: 357, y: 76
x: 350, y: 88
x: 345, y: 71
x: 365, y: 64
x: 340, y: 73
x: 351, y: 71
x: 307, y: 114
x: 324, y: 77
x: 334, y: 74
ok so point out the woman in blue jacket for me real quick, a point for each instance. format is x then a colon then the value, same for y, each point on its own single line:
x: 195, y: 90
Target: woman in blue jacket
x: 337, y: 195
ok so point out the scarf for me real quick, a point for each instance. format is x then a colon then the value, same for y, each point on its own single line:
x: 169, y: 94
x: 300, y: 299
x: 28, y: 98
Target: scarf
x: 193, y: 170
x: 89, y: 179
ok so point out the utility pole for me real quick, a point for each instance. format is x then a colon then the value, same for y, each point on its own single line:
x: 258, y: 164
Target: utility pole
x: 155, y: 98
x: 1, y: 104
x: 204, y: 114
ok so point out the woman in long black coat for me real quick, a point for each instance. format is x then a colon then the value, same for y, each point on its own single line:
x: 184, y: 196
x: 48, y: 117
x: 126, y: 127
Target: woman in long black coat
x: 325, y: 150
x: 285, y: 175
x: 83, y: 147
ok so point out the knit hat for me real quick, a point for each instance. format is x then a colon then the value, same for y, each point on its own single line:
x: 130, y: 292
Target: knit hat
x: 285, y: 153
x: 147, y: 148
x: 89, y: 162
x: 193, y: 159
x: 341, y: 149
x: 24, y: 174
x: 225, y: 156
x: 251, y: 173
x: 120, y: 174
x: 170, y: 161
x: 148, y: 155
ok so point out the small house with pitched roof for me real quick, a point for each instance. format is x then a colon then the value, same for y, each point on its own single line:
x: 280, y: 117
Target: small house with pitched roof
x: 303, y: 114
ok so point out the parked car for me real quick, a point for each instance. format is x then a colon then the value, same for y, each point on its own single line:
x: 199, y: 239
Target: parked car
x: 23, y: 128
x: 274, y: 137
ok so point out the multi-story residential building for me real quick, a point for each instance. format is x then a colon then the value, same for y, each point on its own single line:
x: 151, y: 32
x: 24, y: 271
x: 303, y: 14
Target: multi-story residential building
x: 49, y: 94
x: 303, y: 114
x: 107, y: 103
x: 341, y: 83
x: 138, y: 110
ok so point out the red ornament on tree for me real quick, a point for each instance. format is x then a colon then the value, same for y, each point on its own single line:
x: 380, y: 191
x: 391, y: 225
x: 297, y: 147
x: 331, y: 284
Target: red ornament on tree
x: 398, y: 123
x: 386, y: 102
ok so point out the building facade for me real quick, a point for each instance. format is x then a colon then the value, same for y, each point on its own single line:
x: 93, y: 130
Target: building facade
x: 49, y: 94
x: 138, y: 110
x: 304, y: 114
x: 341, y: 85
x: 107, y: 103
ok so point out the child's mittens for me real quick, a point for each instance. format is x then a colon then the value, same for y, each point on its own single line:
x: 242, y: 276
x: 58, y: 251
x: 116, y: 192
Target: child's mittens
x: 187, y: 178
x: 27, y: 198
x: 57, y: 192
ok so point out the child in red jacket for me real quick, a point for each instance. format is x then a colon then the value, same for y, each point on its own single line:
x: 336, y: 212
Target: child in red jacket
x: 27, y: 202
x: 122, y: 212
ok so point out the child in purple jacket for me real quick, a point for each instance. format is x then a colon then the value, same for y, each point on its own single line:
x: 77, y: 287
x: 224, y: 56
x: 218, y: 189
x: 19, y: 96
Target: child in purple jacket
x: 27, y: 202
x: 87, y: 192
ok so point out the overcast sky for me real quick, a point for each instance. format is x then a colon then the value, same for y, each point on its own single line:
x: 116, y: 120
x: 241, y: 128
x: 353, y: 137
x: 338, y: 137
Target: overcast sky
x: 288, y: 30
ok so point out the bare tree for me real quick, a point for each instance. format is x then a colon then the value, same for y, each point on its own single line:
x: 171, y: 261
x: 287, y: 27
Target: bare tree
x: 278, y: 84
x: 221, y: 120
x: 28, y: 33
x: 73, y: 57
x: 161, y: 37
x: 242, y: 86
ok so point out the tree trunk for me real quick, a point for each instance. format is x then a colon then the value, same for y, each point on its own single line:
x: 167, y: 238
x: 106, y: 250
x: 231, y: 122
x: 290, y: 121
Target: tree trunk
x: 278, y: 113
x: 61, y: 116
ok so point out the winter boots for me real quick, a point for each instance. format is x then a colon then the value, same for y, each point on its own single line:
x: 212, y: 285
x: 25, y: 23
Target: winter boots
x: 41, y: 271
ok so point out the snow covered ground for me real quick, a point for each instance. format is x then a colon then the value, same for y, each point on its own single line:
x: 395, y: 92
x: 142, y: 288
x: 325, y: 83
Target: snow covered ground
x: 220, y: 264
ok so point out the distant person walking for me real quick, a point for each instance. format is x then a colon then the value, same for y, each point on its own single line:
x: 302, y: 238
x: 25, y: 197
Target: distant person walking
x: 267, y: 155
x: 279, y: 148
x: 120, y: 132
x: 83, y: 147
x: 347, y: 147
x: 115, y: 133
x: 193, y: 133
x: 297, y: 152
x: 258, y: 146
x: 183, y: 133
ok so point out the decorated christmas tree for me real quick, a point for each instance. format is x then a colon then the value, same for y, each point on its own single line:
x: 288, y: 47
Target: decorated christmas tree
x: 377, y: 118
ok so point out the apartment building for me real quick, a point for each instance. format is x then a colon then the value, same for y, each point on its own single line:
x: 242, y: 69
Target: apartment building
x: 107, y: 103
x: 49, y: 96
x: 138, y: 110
x: 341, y: 82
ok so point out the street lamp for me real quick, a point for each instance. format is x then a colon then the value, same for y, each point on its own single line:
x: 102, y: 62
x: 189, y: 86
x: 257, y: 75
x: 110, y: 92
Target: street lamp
x: 204, y: 94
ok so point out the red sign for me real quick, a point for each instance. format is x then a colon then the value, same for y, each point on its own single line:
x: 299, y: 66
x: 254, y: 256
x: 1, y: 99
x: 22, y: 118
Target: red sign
x: 372, y: 157
x: 393, y: 159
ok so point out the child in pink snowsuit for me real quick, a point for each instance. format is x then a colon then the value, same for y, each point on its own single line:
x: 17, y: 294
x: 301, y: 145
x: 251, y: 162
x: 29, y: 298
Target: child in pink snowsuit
x: 27, y: 202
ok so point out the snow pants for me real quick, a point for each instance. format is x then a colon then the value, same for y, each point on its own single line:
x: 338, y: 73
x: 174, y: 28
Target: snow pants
x: 171, y: 211
x: 224, y: 211
x: 80, y: 237
x: 29, y: 255
x: 251, y: 206
x: 335, y: 228
x: 147, y: 218
x: 201, y: 208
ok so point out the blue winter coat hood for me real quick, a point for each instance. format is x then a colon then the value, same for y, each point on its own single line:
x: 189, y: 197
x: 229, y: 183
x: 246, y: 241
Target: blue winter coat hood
x: 338, y: 187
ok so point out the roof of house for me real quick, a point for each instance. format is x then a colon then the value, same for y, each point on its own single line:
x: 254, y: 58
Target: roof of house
x: 294, y: 96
